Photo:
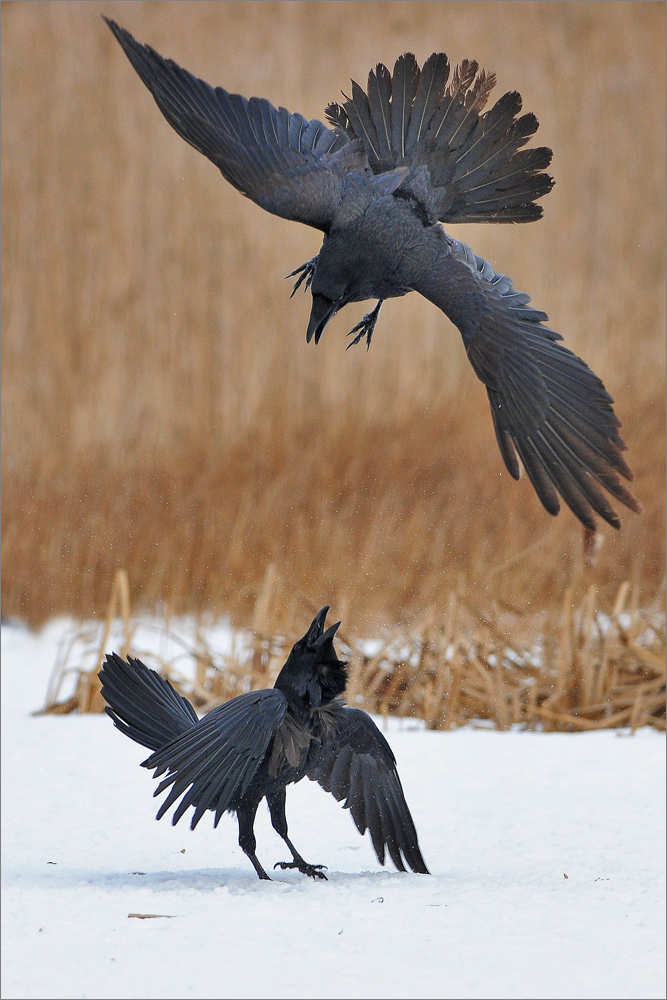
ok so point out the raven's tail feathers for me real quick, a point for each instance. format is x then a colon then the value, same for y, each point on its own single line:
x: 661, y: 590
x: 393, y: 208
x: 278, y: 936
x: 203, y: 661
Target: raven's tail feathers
x: 475, y: 160
x: 142, y: 704
x: 379, y: 99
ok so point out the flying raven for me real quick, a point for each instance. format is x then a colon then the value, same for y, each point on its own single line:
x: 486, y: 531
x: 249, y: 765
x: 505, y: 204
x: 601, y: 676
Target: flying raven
x: 410, y: 152
x: 255, y: 745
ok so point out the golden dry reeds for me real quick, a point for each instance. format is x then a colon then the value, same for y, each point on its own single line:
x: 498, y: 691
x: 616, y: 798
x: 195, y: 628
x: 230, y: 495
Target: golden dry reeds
x: 161, y: 410
x: 577, y: 668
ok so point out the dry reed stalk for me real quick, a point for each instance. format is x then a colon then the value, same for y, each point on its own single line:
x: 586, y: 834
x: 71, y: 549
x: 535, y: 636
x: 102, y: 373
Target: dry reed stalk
x: 87, y: 697
x: 560, y: 687
x: 447, y: 671
x: 584, y: 657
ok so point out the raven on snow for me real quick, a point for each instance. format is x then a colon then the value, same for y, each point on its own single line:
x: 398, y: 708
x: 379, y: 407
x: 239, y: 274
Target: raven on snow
x: 255, y: 745
x: 409, y: 153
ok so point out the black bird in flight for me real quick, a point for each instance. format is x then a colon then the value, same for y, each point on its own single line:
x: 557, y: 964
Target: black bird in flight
x: 255, y: 745
x: 411, y: 152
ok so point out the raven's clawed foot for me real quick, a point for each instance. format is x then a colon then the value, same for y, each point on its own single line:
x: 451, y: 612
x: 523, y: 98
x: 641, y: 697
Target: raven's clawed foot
x: 305, y: 272
x: 365, y: 327
x: 304, y: 868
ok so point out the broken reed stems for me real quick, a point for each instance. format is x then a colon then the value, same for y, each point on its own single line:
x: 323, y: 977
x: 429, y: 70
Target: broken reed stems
x: 606, y: 670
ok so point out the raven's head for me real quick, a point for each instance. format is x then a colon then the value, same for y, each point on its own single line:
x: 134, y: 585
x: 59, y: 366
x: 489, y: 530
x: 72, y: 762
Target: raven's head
x: 313, y: 670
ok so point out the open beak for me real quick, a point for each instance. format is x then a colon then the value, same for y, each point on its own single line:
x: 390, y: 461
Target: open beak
x: 326, y: 636
x: 320, y: 314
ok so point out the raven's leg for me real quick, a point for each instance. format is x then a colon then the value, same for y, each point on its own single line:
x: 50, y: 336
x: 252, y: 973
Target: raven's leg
x: 246, y: 815
x: 305, y: 272
x: 276, y: 802
x: 365, y: 327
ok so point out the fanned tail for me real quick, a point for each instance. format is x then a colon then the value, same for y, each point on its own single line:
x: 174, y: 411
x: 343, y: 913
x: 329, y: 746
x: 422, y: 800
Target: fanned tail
x: 478, y: 169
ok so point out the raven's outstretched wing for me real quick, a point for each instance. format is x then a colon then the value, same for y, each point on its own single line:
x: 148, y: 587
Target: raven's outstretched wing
x: 142, y: 704
x: 288, y: 165
x: 354, y: 762
x: 546, y: 403
x: 213, y: 764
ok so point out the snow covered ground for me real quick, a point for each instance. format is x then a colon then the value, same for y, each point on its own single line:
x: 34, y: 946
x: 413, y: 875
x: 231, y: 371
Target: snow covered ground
x: 503, y: 818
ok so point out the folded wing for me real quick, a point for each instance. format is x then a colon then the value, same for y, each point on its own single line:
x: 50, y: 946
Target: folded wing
x: 288, y: 165
x: 547, y: 405
x: 355, y: 763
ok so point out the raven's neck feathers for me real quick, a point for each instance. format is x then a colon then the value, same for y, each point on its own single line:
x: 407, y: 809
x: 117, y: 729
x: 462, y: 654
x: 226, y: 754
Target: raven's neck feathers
x: 310, y: 682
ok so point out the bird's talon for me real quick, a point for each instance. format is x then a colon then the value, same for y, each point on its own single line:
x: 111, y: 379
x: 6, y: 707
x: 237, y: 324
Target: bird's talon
x: 305, y: 272
x: 304, y: 868
x: 365, y: 327
x: 359, y: 336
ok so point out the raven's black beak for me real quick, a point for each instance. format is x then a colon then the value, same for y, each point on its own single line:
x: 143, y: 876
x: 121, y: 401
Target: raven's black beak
x: 322, y: 311
x: 327, y: 636
x: 317, y: 625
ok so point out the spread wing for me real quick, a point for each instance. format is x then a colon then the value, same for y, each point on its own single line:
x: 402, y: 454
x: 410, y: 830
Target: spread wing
x: 289, y: 166
x: 354, y: 762
x: 546, y: 404
x: 214, y: 762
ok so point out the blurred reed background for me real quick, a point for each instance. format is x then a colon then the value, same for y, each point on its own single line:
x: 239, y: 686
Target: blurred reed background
x: 161, y: 410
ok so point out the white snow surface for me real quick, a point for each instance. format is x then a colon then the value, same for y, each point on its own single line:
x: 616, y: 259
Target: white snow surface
x: 502, y: 819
